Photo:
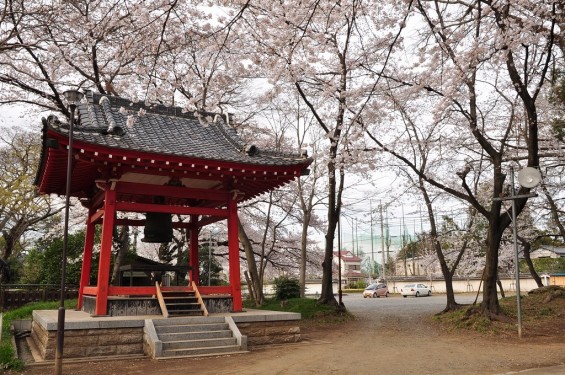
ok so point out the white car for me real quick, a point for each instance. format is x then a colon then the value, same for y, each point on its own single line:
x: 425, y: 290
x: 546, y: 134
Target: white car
x: 415, y: 290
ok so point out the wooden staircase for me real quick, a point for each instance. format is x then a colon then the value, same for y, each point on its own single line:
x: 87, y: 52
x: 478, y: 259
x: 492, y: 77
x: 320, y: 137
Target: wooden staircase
x: 181, y: 303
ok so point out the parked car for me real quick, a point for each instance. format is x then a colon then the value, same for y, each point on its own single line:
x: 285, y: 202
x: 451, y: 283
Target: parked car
x: 375, y: 291
x: 415, y: 290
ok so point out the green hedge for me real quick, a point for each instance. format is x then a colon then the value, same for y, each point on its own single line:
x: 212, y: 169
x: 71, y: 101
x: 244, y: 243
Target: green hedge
x: 286, y: 287
x: 548, y: 265
x: 8, y: 358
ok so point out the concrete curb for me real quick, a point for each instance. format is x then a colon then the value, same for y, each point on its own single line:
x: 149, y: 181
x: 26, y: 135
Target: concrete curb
x: 241, y: 339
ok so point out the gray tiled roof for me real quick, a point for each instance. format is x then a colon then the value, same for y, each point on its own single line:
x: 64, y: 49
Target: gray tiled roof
x: 167, y: 130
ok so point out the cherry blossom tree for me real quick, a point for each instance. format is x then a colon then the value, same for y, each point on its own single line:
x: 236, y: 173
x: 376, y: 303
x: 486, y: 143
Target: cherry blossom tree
x: 472, y: 74
x: 482, y: 67
x: 318, y: 50
x: 22, y: 210
x: 287, y: 112
x: 168, y: 52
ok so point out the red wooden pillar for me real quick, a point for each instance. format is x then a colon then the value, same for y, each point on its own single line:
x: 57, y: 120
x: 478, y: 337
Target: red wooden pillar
x: 105, y: 252
x: 233, y: 249
x: 193, y: 249
x: 86, y: 257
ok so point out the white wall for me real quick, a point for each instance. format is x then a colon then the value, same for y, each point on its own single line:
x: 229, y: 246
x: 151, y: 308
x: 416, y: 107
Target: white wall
x: 438, y: 286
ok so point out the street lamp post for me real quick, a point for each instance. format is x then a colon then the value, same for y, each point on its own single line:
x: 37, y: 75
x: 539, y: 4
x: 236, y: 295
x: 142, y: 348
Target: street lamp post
x: 73, y: 98
x: 528, y: 177
x: 516, y: 259
x: 339, y: 291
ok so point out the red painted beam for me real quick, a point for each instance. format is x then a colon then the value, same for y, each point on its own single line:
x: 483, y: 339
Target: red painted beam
x: 172, y: 191
x: 141, y: 223
x: 193, y: 251
x: 97, y: 216
x: 174, y: 288
x: 148, y: 207
x: 90, y: 291
x: 150, y: 290
x: 86, y: 258
x: 131, y: 290
x: 233, y: 249
x: 105, y: 254
x: 209, y: 290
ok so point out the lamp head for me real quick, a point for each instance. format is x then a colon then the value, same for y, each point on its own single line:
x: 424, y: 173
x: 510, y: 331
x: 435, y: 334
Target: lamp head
x: 73, y: 96
x: 529, y: 177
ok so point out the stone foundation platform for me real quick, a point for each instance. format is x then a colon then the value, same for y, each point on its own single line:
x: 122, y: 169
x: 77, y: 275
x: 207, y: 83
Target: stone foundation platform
x: 91, y: 337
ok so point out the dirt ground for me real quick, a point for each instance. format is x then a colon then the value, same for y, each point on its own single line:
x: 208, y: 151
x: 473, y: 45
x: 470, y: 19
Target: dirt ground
x: 383, y: 345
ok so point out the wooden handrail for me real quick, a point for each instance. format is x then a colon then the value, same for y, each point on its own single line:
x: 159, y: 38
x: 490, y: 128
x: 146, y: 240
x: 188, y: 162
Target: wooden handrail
x: 200, y: 301
x: 161, y: 300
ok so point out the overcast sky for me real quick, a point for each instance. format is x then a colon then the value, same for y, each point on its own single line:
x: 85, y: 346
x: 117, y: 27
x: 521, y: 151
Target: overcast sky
x: 20, y: 116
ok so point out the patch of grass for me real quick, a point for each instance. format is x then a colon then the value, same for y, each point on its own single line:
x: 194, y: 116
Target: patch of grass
x: 8, y: 358
x: 541, y: 315
x: 546, y: 311
x: 464, y: 320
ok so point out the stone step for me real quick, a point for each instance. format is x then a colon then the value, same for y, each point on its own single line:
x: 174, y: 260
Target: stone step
x: 178, y: 294
x: 188, y: 320
x: 193, y: 352
x: 174, y: 313
x: 195, y: 337
x: 180, y: 336
x: 202, y: 343
x: 190, y: 328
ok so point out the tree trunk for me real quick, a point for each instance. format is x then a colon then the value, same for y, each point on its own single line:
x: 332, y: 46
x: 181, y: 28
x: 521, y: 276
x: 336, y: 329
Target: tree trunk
x: 489, y: 305
x: 451, y: 305
x: 8, y: 245
x: 249, y: 285
x: 123, y: 248
x: 303, y: 246
x: 256, y: 282
x: 4, y: 272
x: 499, y: 283
x: 554, y: 212
x: 527, y: 246
x: 327, y: 295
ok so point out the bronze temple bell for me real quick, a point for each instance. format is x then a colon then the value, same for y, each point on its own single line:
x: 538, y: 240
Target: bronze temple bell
x: 158, y: 225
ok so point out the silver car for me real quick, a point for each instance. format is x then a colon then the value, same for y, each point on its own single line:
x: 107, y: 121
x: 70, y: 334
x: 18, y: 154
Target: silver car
x: 375, y: 291
x: 415, y: 290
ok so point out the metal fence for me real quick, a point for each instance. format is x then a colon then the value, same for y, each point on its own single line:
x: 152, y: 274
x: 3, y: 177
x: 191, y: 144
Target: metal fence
x: 16, y: 295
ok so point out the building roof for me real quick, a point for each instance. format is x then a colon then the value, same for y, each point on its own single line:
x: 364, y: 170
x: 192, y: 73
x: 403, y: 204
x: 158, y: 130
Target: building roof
x: 347, y: 256
x: 162, y: 144
x: 548, y: 252
x: 167, y: 131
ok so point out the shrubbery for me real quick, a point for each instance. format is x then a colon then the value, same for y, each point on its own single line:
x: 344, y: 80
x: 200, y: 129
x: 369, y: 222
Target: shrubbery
x: 357, y: 285
x: 286, y: 287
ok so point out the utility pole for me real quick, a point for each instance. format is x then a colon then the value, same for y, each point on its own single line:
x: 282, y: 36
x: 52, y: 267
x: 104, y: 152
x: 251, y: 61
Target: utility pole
x: 388, y: 242
x: 402, y: 242
x: 352, y: 236
x: 372, y: 248
x: 382, y: 240
x: 356, y: 237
